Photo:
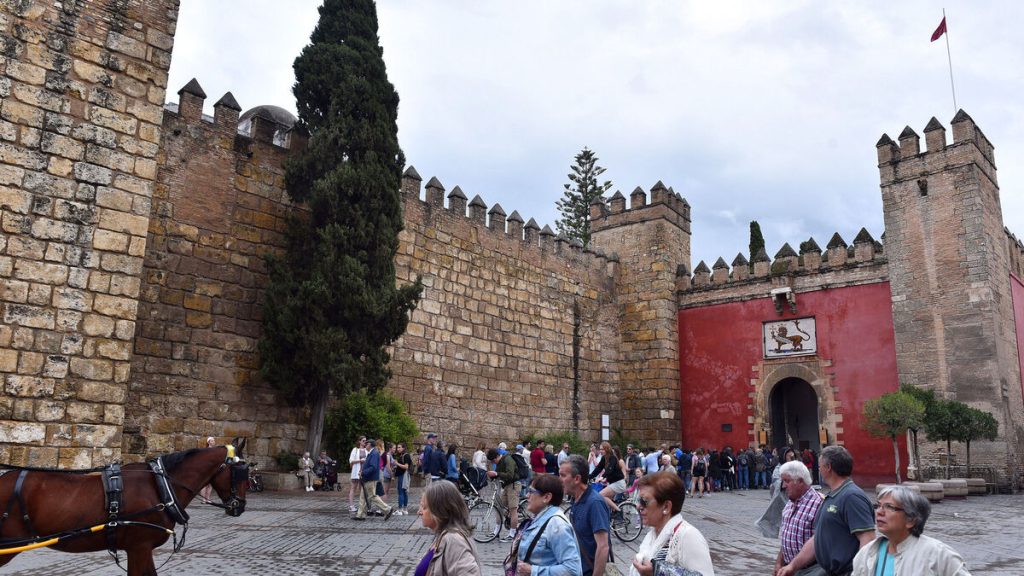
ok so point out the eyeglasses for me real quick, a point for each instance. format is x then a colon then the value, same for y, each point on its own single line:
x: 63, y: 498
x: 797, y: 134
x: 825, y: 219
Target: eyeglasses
x: 642, y: 503
x: 532, y: 491
x: 888, y: 507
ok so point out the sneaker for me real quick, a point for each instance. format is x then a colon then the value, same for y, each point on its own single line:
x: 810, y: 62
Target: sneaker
x: 351, y: 508
x: 360, y: 518
x: 389, y: 513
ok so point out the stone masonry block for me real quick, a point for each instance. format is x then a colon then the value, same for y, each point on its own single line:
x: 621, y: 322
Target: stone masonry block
x: 92, y: 369
x: 122, y: 222
x: 29, y: 316
x: 28, y: 386
x: 22, y: 432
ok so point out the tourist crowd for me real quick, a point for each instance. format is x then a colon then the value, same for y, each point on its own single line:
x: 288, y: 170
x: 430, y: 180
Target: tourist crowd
x: 835, y: 534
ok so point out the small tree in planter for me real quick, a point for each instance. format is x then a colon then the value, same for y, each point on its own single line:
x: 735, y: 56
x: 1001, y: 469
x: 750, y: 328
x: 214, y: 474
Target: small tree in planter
x: 948, y: 420
x: 980, y: 426
x: 891, y: 415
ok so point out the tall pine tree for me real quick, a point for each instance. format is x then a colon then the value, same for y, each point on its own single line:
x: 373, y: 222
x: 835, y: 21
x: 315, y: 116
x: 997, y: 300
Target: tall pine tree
x: 332, y: 305
x: 581, y: 190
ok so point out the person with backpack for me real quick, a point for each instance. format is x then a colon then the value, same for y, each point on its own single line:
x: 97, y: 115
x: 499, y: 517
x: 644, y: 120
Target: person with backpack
x: 506, y: 471
x: 548, y: 541
x: 743, y: 469
x: 761, y: 459
x: 699, y: 470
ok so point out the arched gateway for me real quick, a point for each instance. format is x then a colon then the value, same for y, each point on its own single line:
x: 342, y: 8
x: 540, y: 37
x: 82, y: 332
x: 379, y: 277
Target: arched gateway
x: 793, y: 413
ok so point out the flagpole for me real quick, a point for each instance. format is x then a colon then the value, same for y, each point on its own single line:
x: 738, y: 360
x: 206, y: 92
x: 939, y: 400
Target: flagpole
x: 949, y: 59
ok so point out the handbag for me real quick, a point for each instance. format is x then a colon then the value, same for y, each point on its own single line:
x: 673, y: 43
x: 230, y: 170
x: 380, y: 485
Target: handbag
x: 511, y: 561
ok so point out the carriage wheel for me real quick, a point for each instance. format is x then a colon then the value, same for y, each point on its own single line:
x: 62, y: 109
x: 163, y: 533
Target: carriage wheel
x: 485, y: 520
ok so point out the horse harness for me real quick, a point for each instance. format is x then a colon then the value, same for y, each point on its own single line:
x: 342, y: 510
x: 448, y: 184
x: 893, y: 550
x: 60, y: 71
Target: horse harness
x: 113, y: 495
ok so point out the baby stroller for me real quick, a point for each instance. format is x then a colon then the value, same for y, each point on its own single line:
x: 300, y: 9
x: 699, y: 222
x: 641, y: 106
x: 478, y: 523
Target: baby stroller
x: 471, y: 481
x: 328, y: 474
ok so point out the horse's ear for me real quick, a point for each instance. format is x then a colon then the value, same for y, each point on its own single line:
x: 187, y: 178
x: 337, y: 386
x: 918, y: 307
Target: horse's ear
x: 241, y: 446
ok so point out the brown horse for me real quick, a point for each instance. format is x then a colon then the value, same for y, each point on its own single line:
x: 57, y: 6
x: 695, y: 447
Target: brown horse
x: 58, y: 502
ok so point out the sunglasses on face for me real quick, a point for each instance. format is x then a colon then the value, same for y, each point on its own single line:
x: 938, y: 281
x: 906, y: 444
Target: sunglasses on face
x: 532, y: 491
x: 642, y: 502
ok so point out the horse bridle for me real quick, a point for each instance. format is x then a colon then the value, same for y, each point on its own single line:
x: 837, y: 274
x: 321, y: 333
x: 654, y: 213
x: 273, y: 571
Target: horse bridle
x: 234, y: 506
x: 239, y: 474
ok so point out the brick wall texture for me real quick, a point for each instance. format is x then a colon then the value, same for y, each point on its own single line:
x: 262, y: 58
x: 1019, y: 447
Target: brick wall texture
x: 82, y: 87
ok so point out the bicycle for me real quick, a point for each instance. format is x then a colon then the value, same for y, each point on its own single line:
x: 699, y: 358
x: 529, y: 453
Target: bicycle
x: 486, y: 517
x: 626, y: 524
x: 255, y: 478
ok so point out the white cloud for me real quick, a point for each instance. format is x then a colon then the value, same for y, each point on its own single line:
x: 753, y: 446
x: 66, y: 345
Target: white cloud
x: 762, y: 110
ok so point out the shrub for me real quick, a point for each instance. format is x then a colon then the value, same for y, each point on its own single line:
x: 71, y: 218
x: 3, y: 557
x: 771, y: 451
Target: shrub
x: 376, y: 414
x: 287, y: 460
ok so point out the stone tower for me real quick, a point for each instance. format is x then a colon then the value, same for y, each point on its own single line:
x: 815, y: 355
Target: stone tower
x: 950, y: 277
x: 652, y: 240
x: 82, y: 88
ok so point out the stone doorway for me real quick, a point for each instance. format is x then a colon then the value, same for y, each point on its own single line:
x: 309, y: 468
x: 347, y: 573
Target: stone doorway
x: 793, y: 408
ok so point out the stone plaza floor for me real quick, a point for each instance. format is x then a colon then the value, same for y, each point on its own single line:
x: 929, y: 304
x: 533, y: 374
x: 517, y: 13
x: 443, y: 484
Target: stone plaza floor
x: 298, y: 533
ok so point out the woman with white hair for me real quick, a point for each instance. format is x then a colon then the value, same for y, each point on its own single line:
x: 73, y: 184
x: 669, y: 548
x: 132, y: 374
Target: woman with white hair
x: 306, y: 470
x: 900, y: 516
x: 207, y: 491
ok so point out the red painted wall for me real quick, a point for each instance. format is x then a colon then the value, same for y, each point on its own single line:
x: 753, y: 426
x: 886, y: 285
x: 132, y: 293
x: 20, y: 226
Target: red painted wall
x: 719, y: 344
x: 1017, y: 292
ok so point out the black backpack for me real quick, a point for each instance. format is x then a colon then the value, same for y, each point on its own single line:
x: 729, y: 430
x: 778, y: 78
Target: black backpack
x: 699, y: 468
x: 522, y: 468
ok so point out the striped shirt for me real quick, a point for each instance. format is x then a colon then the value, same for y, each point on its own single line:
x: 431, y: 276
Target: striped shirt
x: 798, y: 523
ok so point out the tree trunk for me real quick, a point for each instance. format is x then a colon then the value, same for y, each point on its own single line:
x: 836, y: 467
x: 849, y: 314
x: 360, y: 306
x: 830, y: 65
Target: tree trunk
x: 949, y: 456
x: 968, y: 474
x: 896, y: 450
x: 917, y: 456
x: 315, y: 430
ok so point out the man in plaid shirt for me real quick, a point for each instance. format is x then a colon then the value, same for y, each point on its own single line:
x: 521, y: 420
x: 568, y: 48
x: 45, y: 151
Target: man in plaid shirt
x: 797, y: 517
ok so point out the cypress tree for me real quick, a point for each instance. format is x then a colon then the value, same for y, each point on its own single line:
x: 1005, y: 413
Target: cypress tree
x: 332, y: 304
x: 756, y: 239
x: 581, y: 190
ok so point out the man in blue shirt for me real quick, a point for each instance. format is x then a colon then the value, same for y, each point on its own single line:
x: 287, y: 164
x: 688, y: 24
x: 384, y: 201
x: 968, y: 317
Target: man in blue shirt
x: 428, y: 457
x: 589, y: 515
x: 652, y: 462
x: 369, y: 475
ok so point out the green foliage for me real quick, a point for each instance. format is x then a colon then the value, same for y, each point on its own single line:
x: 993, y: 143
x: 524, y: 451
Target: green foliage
x: 926, y: 397
x: 332, y: 304
x: 891, y: 415
x: 582, y: 189
x: 948, y: 420
x: 981, y: 426
x: 756, y: 239
x: 375, y: 414
x: 287, y: 460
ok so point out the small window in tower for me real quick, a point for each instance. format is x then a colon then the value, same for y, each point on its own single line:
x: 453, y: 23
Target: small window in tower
x: 726, y: 427
x: 922, y: 186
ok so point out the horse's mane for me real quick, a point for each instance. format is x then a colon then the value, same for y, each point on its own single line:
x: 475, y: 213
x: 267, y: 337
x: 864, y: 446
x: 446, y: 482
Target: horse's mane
x: 173, y: 460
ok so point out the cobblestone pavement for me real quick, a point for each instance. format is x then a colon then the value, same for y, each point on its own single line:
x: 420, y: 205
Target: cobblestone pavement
x: 298, y: 533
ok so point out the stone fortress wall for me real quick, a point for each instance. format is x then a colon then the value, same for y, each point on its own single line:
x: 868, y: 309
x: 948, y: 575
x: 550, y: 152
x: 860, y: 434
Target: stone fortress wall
x: 82, y: 87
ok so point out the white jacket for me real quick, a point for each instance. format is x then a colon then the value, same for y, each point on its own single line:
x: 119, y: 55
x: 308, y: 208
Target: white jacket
x: 687, y: 547
x: 915, y: 556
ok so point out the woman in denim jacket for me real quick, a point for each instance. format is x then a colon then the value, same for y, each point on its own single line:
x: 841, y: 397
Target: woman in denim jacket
x: 556, y: 552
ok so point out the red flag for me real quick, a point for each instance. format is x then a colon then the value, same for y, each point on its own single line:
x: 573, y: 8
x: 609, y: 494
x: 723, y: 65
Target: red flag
x: 940, y: 30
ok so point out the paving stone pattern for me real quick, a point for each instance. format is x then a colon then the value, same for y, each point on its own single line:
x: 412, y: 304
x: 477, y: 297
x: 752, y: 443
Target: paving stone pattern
x: 300, y: 533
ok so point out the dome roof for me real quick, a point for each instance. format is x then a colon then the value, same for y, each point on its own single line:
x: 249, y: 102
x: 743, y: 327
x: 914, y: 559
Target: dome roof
x: 269, y: 112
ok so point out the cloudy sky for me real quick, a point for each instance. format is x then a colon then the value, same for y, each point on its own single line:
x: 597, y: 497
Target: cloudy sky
x: 756, y: 110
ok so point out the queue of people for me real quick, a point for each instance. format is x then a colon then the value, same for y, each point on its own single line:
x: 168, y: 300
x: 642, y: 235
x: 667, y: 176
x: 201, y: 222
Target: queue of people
x: 835, y: 534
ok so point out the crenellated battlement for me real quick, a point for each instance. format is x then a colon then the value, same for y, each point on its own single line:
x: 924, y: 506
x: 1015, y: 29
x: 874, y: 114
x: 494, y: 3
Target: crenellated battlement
x: 498, y: 224
x: 902, y: 161
x: 665, y: 203
x: 260, y: 126
x: 840, y: 264
x: 1015, y: 248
